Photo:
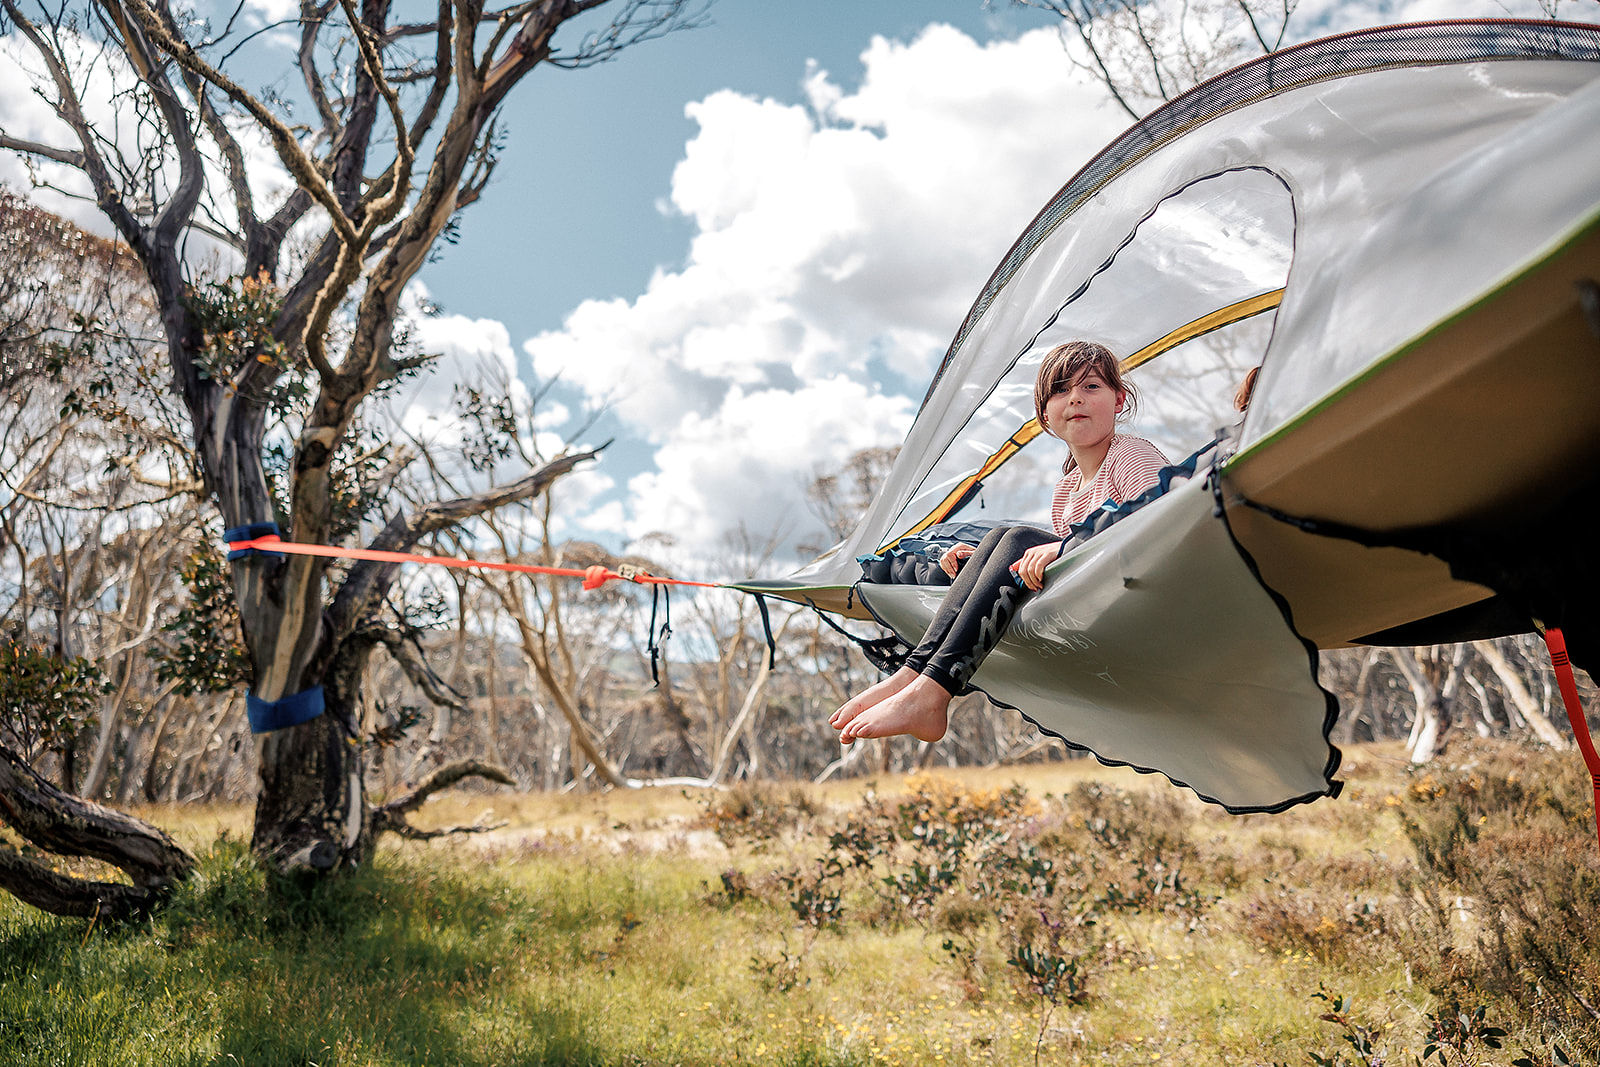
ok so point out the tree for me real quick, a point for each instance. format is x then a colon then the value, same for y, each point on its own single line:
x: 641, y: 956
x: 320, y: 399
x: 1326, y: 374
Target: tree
x: 1147, y: 53
x: 277, y: 360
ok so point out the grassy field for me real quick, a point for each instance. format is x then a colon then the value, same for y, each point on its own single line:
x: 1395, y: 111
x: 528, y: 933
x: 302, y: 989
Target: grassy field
x: 1052, y: 914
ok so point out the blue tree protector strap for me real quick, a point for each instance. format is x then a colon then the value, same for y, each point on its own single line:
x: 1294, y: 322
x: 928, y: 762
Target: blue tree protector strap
x: 268, y: 715
x: 250, y: 533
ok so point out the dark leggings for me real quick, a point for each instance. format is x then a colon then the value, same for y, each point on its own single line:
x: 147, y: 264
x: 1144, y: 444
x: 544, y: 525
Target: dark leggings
x: 977, y: 609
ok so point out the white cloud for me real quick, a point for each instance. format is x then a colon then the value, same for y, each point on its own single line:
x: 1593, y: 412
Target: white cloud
x: 264, y: 12
x: 751, y: 459
x: 26, y: 114
x: 466, y: 351
x: 838, y: 245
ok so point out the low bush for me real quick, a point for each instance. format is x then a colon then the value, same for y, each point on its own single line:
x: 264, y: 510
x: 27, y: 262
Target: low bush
x: 1507, y: 884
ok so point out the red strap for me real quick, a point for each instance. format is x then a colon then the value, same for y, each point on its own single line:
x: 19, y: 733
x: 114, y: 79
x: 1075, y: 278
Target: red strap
x: 1557, y: 644
x: 593, y: 577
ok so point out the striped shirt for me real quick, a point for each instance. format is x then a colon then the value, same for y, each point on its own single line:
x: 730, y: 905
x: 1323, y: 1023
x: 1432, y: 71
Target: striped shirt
x: 1130, y: 467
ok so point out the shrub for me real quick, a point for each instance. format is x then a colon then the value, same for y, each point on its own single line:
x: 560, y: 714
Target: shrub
x: 757, y: 813
x: 1507, y: 881
x: 1301, y: 918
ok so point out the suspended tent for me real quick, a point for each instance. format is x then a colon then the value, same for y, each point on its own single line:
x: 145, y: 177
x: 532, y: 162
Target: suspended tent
x: 1402, y: 226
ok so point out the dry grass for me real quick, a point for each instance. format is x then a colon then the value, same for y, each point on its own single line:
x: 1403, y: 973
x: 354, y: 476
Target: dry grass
x: 878, y: 922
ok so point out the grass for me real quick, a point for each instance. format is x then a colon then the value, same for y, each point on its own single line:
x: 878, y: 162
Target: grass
x: 667, y: 928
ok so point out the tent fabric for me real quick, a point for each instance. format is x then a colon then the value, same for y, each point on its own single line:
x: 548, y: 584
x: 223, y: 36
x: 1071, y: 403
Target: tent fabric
x: 1152, y: 645
x: 1391, y: 223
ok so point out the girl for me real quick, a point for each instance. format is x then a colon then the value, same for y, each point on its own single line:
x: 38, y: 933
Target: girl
x: 1078, y: 396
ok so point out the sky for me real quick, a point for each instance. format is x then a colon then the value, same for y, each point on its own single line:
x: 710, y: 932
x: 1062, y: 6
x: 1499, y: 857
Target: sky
x: 783, y: 218
x: 747, y: 245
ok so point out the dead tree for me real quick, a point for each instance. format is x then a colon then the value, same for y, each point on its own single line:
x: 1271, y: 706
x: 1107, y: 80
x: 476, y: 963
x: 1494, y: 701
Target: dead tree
x: 403, y: 137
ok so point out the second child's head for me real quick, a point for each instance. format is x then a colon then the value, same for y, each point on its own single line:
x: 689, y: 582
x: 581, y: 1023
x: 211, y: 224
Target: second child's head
x: 1066, y: 365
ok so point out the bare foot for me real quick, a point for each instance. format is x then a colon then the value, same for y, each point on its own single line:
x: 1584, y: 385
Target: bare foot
x: 876, y: 695
x: 921, y: 709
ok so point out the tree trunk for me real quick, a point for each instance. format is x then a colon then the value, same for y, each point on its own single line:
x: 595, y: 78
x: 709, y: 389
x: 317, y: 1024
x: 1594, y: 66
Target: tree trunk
x: 152, y: 763
x: 1425, y: 724
x: 1348, y: 723
x: 752, y: 701
x: 312, y: 813
x: 1517, y: 692
x: 1435, y: 699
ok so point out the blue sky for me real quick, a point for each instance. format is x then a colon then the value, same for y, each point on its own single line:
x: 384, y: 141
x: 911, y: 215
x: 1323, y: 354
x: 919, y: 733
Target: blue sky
x: 580, y: 207
x: 599, y: 199
x: 573, y: 211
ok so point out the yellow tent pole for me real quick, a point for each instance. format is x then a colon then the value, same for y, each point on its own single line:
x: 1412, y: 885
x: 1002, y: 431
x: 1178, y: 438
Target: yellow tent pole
x: 1225, y: 316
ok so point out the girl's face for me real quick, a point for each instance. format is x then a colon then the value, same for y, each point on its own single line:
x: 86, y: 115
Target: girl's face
x: 1084, y: 413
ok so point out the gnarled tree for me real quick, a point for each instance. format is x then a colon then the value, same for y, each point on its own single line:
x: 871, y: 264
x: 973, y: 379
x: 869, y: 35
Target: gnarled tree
x: 276, y: 362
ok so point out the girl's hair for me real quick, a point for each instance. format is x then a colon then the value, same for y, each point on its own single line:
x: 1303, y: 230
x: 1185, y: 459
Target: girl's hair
x: 1066, y: 365
x: 1247, y: 388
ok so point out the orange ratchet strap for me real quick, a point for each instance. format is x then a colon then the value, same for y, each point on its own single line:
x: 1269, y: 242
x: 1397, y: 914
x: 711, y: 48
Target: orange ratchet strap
x: 1556, y: 642
x: 593, y: 577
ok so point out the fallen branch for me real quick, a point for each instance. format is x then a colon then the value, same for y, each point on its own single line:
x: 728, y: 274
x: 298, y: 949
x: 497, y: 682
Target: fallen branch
x: 59, y: 822
x: 392, y: 816
x: 62, y: 894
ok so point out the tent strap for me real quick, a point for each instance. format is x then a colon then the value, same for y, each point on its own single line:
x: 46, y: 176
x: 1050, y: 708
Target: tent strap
x: 887, y: 654
x: 1557, y: 644
x: 657, y: 641
x: 766, y: 626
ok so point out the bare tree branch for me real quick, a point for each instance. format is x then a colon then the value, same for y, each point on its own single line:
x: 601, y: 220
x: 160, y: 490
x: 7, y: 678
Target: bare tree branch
x: 59, y: 155
x: 70, y: 109
x: 392, y: 816
x: 290, y: 153
x: 368, y: 580
x: 312, y: 16
x: 405, y: 651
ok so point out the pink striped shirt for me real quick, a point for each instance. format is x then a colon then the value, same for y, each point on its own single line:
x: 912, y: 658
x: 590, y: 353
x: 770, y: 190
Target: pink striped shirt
x: 1129, y: 469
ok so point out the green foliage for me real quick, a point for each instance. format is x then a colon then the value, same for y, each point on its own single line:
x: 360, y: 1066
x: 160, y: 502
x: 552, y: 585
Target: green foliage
x: 1454, y: 1034
x: 1363, y: 1039
x: 97, y: 392
x: 237, y: 318
x: 208, y: 653
x: 46, y: 700
x: 357, y: 484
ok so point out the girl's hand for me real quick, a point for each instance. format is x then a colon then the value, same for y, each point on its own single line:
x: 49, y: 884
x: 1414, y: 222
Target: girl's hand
x: 1030, y: 568
x: 950, y: 562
